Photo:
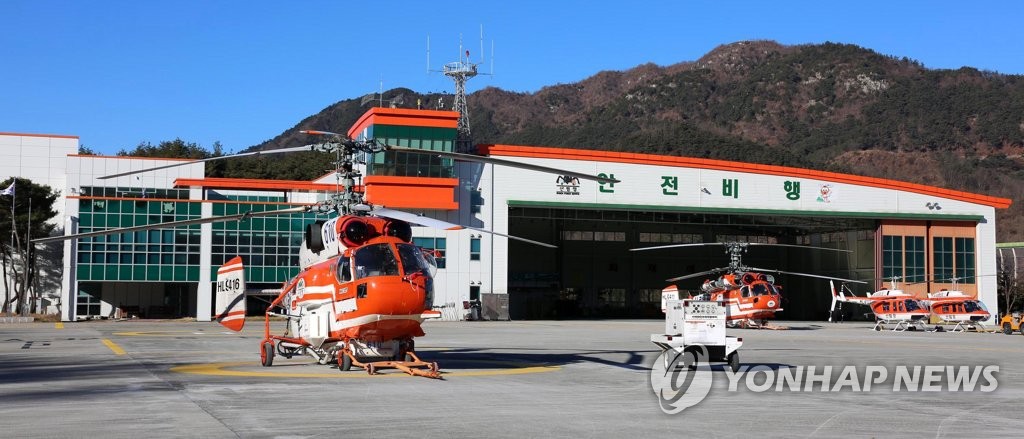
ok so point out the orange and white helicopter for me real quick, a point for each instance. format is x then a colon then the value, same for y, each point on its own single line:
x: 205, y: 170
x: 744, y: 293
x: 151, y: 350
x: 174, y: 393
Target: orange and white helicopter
x: 956, y: 306
x: 889, y: 305
x: 363, y: 288
x: 751, y: 294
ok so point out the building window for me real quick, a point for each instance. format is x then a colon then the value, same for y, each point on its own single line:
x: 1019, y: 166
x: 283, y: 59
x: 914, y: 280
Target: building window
x: 87, y: 304
x: 903, y: 257
x: 914, y: 258
x: 942, y: 255
x: 613, y: 297
x: 474, y: 249
x: 892, y: 257
x: 649, y: 295
x: 436, y: 244
x: 964, y: 259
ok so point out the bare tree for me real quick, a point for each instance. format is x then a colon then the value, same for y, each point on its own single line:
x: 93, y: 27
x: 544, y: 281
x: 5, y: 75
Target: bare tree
x: 1011, y: 284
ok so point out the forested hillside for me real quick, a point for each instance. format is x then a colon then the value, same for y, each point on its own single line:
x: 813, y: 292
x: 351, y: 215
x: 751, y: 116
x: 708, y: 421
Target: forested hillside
x: 829, y: 106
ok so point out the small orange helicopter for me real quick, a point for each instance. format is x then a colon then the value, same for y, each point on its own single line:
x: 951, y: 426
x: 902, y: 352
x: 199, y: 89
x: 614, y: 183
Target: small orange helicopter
x: 889, y: 305
x: 752, y: 296
x: 954, y: 306
x: 363, y: 288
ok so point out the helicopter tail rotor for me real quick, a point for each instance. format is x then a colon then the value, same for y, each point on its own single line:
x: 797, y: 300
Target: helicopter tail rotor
x: 835, y: 300
x: 230, y: 307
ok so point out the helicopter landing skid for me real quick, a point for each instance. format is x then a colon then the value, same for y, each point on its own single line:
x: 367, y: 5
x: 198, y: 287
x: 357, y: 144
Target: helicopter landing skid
x: 411, y: 365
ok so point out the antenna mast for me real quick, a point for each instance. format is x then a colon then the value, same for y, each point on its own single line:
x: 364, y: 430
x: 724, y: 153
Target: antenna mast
x: 461, y: 71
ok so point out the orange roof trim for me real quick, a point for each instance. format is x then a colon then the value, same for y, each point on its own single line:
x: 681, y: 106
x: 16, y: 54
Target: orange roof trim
x: 405, y: 117
x: 724, y: 165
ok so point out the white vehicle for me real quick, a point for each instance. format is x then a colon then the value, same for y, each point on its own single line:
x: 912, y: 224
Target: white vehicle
x: 697, y: 328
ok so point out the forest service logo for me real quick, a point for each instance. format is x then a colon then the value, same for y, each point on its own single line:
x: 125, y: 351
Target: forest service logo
x: 567, y: 185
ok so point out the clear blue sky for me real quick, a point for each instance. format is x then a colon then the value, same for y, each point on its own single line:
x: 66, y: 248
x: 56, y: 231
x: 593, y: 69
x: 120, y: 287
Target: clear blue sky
x: 117, y: 73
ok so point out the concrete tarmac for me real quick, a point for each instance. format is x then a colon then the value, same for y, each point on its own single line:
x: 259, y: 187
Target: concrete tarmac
x: 501, y: 379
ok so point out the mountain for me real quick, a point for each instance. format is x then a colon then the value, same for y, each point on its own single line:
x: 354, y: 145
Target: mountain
x: 834, y: 107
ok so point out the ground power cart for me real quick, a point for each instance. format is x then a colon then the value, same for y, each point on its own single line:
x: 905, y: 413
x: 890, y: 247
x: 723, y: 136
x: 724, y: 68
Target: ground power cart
x: 698, y: 326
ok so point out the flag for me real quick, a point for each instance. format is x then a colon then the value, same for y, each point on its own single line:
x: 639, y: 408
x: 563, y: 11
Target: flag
x: 9, y: 190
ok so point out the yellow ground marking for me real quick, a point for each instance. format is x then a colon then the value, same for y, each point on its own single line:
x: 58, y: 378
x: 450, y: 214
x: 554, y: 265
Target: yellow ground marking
x: 221, y: 369
x: 113, y: 346
x: 59, y: 325
x: 172, y: 333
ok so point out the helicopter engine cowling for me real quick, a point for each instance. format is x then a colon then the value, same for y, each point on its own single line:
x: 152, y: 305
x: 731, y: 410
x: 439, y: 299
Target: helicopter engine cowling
x: 714, y: 285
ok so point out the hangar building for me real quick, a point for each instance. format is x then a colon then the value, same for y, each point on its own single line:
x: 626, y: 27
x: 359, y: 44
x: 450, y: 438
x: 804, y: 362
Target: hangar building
x: 885, y: 228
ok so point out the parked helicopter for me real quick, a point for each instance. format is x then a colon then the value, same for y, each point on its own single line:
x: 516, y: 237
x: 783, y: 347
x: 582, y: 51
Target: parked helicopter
x: 363, y: 289
x: 956, y: 306
x: 752, y: 295
x: 889, y: 305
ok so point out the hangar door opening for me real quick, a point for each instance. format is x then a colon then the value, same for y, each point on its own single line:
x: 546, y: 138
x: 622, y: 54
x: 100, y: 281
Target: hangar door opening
x: 593, y: 273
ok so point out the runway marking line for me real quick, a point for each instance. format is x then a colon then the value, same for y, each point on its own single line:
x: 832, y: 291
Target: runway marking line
x: 171, y: 333
x: 58, y: 325
x: 220, y: 369
x: 113, y: 347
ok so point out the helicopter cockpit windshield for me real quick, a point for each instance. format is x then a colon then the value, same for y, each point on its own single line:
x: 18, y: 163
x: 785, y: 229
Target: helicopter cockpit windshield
x: 758, y: 289
x: 912, y: 305
x: 375, y: 260
x: 413, y: 260
x: 974, y: 305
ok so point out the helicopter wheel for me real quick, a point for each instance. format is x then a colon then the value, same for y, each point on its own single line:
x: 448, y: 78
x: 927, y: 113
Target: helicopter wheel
x: 344, y: 361
x: 371, y: 369
x: 267, y: 353
x: 1021, y: 329
x: 408, y: 357
x: 1007, y: 330
x: 734, y: 362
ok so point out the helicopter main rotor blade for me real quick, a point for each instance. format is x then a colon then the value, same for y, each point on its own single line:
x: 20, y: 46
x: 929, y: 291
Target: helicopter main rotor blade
x: 735, y: 243
x: 801, y: 246
x: 191, y: 162
x: 804, y: 274
x: 675, y: 246
x: 689, y: 276
x: 171, y: 224
x: 443, y: 225
x: 496, y: 161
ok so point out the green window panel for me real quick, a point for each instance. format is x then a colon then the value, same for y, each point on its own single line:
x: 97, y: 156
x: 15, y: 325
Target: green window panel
x: 914, y: 258
x: 153, y: 272
x: 139, y: 272
x: 892, y: 256
x: 192, y: 274
x: 110, y: 272
x: 964, y: 260
x: 166, y: 273
x: 942, y: 257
